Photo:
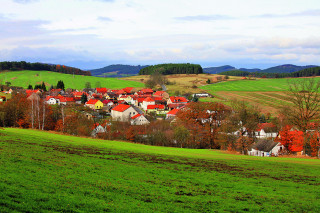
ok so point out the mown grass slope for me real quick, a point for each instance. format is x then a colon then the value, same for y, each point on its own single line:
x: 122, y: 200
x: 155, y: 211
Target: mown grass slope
x: 24, y: 78
x: 43, y: 172
x: 258, y: 85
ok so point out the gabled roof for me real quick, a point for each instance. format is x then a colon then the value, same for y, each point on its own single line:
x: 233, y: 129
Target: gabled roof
x: 106, y: 101
x: 265, y: 145
x: 101, y: 90
x: 92, y: 101
x: 146, y: 91
x: 29, y: 91
x: 173, y: 112
x: 128, y: 89
x: 66, y: 99
x: 48, y: 98
x: 156, y: 106
x: 178, y: 99
x: 159, y: 93
x: 136, y: 116
x: 121, y: 107
x: 148, y: 99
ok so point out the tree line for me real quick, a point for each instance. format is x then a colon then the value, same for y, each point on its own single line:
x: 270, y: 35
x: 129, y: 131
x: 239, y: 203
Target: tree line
x: 169, y: 69
x: 22, y: 65
x: 313, y: 71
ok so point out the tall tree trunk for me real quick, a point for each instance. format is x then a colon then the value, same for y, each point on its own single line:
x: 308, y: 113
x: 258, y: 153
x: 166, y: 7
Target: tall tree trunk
x: 43, y: 115
x: 62, y: 113
x: 32, y: 115
x: 38, y: 107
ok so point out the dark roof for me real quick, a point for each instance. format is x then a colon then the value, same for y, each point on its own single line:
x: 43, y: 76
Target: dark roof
x: 264, y: 145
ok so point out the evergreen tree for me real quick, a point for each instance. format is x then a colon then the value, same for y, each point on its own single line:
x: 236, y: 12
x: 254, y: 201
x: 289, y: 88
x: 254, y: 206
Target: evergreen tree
x: 60, y: 85
x: 43, y: 87
x: 30, y: 86
x: 84, y: 98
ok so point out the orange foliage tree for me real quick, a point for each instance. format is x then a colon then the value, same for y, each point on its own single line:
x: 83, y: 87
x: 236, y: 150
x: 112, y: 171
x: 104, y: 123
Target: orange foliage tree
x: 203, y: 121
x: 291, y: 140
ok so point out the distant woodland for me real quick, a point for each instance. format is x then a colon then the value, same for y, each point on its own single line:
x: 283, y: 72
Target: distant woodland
x: 22, y: 65
x: 168, y: 69
x: 313, y: 71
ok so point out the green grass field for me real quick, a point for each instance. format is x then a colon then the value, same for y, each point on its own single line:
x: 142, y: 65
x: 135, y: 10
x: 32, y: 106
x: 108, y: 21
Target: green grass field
x: 44, y: 172
x: 24, y: 78
x: 259, y: 85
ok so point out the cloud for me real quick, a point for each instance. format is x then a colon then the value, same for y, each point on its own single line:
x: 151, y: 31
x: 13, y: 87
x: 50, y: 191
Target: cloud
x: 298, y: 14
x: 24, y: 1
x: 18, y: 28
x: 204, y: 18
x: 104, y: 19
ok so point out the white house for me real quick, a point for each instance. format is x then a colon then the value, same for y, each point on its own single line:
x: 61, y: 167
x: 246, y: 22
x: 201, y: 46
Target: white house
x: 265, y: 148
x: 51, y: 100
x: 139, y: 119
x: 146, y: 102
x: 123, y: 112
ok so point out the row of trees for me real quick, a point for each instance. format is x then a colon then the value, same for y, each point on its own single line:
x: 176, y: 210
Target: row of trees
x: 169, y: 69
x: 22, y: 65
x: 313, y: 71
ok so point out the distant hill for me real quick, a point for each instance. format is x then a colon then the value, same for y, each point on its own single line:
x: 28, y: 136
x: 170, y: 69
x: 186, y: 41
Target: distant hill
x: 169, y: 69
x: 22, y: 65
x: 286, y: 68
x: 117, y: 70
x: 216, y: 70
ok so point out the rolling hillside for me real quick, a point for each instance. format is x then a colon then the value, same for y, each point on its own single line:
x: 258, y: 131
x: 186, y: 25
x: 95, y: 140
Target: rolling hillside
x: 117, y: 70
x: 43, y: 172
x: 269, y: 94
x: 24, y: 78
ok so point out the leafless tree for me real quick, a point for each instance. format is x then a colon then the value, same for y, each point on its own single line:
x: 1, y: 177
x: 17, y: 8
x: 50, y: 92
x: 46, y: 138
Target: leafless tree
x: 305, y: 98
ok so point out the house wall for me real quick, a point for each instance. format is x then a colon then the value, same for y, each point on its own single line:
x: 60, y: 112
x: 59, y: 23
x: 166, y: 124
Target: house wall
x: 145, y: 104
x: 141, y: 120
x: 123, y: 116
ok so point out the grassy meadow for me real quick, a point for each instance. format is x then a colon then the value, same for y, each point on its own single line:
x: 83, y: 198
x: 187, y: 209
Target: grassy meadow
x: 26, y: 77
x: 45, y: 172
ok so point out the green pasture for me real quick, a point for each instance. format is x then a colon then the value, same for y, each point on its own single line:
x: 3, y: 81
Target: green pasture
x: 44, y: 172
x: 258, y: 85
x: 24, y: 78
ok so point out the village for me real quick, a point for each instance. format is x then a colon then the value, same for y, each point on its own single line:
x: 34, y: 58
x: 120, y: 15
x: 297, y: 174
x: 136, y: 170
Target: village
x: 136, y: 107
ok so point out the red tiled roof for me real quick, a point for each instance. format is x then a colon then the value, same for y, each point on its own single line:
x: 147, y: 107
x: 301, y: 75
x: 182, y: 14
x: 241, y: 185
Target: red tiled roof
x: 147, y: 91
x: 66, y: 99
x: 48, y: 97
x: 128, y: 89
x: 101, y: 90
x: 92, y: 101
x: 159, y: 93
x: 148, y: 99
x: 79, y: 94
x: 121, y: 107
x: 178, y: 99
x: 157, y: 98
x: 106, y: 101
x: 156, y: 106
x: 28, y: 91
x: 173, y: 112
x: 120, y: 91
x: 136, y: 116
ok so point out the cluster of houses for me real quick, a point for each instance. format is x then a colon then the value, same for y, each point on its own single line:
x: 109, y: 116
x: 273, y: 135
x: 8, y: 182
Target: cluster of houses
x: 132, y: 105
x: 127, y: 104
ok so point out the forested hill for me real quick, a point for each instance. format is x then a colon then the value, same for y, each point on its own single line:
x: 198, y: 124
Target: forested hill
x: 286, y: 68
x: 313, y: 71
x: 22, y: 65
x: 168, y: 69
x: 117, y: 70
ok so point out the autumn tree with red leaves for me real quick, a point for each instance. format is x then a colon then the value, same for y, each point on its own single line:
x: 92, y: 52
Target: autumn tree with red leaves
x: 203, y: 121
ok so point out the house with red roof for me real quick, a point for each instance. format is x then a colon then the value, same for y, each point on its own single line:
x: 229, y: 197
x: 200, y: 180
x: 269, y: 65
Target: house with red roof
x: 139, y: 119
x: 172, y: 114
x: 66, y: 100
x: 146, y: 91
x: 177, y: 99
x: 94, y: 104
x: 266, y: 130
x: 129, y: 90
x: 123, y: 112
x: 162, y: 94
x: 147, y: 101
x: 51, y: 100
x: 101, y: 91
x: 157, y: 108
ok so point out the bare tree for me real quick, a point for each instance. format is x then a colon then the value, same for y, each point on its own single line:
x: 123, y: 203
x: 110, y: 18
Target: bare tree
x: 305, y: 99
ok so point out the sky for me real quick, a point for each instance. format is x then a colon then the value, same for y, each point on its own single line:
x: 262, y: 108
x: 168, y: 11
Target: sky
x: 92, y: 34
